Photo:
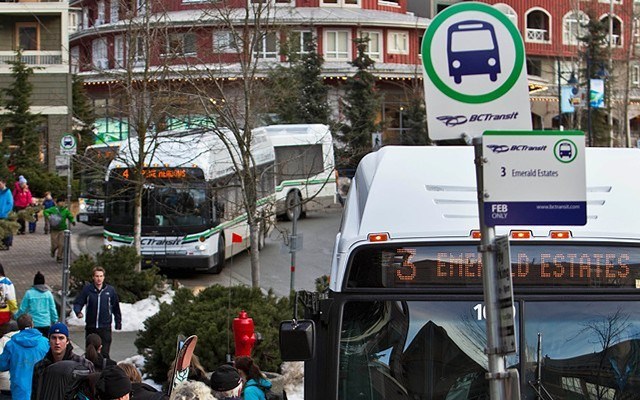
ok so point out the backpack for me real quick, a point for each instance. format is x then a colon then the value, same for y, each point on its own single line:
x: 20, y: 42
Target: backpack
x: 55, y: 220
x: 269, y: 395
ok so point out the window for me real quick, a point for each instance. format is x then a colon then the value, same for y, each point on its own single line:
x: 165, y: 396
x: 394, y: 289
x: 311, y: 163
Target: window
x: 374, y: 45
x: 140, y: 51
x: 508, y: 11
x: 181, y: 44
x: 267, y: 45
x: 398, y: 42
x: 299, y: 41
x: 73, y: 21
x: 340, y: 3
x: 27, y: 36
x: 534, y: 66
x: 573, y: 27
x: 114, y: 10
x: 74, y: 59
x: 635, y: 75
x: 99, y: 53
x: 337, y: 45
x: 272, y: 1
x: 223, y: 42
x: 538, y: 26
x: 616, y: 36
x: 101, y: 18
x: 141, y: 7
x: 118, y: 51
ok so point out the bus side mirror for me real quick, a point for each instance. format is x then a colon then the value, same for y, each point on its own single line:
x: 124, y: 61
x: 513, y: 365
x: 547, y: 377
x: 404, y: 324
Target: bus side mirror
x: 297, y: 340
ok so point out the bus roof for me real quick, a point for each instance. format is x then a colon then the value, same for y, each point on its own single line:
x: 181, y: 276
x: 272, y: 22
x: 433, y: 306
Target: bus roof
x: 297, y: 134
x: 430, y: 192
x: 194, y: 148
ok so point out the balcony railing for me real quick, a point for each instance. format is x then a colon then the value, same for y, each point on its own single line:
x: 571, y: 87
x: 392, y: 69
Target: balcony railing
x: 616, y: 40
x: 537, y: 35
x: 33, y: 57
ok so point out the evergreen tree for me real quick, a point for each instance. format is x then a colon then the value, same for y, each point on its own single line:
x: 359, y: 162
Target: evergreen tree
x: 83, y: 111
x: 595, y: 58
x: 20, y: 121
x: 415, y: 123
x: 361, y: 106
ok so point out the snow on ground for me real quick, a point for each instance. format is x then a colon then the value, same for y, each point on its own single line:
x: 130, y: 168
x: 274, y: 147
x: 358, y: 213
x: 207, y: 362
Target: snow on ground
x: 136, y: 313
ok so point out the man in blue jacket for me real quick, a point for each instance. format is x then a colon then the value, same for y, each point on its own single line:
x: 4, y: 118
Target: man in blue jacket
x: 103, y: 307
x: 20, y: 354
x: 6, y: 205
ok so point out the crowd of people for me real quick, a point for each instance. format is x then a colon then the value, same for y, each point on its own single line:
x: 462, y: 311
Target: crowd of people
x: 56, y: 214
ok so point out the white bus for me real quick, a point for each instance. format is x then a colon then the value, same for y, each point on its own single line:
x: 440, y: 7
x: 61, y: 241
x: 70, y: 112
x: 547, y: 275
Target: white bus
x: 192, y: 204
x: 304, y: 167
x: 404, y: 315
x: 93, y: 166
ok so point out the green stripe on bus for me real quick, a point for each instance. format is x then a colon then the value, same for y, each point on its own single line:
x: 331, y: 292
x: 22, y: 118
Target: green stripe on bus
x: 284, y: 184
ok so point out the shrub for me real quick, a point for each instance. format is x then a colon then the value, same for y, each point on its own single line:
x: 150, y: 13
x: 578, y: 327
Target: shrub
x: 209, y: 315
x: 119, y: 264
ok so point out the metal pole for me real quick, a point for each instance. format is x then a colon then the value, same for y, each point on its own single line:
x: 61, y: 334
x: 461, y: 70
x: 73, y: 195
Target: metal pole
x: 66, y: 263
x: 559, y: 94
x: 293, y: 243
x: 610, y: 93
x: 497, y: 374
x: 69, y: 169
x: 589, y: 135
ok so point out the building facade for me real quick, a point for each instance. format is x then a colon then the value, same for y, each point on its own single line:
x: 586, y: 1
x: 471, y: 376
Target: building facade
x: 41, y: 31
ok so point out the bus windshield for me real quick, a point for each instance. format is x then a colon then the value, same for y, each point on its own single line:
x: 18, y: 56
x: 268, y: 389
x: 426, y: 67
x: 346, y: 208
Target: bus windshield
x: 472, y: 40
x: 435, y: 349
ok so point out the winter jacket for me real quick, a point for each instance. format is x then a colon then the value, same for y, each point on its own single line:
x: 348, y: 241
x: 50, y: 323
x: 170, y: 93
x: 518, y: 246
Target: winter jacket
x: 21, y: 197
x: 102, y: 305
x: 8, y: 303
x: 48, y: 203
x: 5, y: 379
x: 64, y: 213
x: 252, y: 389
x: 21, y: 353
x: 142, y: 391
x: 101, y: 362
x: 38, y: 302
x: 6, y: 203
x: 45, y: 379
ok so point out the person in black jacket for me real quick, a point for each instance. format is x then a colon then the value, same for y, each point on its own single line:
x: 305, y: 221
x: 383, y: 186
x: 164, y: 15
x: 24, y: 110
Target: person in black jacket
x: 140, y: 390
x: 103, y: 307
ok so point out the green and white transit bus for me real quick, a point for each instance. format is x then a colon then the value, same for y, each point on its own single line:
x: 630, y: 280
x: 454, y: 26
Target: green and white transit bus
x: 305, y: 167
x: 192, y: 205
x: 404, y: 315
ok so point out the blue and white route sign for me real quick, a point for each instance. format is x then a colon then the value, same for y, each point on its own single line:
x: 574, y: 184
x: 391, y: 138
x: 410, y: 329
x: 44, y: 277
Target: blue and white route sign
x: 475, y: 73
x: 534, y: 178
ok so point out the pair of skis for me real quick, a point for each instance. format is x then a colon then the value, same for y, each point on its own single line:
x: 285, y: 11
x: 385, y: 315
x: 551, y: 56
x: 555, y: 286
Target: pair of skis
x: 184, y: 352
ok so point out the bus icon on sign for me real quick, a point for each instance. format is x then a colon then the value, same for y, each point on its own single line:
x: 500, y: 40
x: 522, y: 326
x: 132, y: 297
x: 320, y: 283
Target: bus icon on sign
x: 472, y: 49
x: 565, y: 150
x: 67, y: 141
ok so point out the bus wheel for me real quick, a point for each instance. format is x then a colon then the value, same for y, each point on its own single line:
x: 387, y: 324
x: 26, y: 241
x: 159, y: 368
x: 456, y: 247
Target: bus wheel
x: 216, y: 269
x: 293, y: 204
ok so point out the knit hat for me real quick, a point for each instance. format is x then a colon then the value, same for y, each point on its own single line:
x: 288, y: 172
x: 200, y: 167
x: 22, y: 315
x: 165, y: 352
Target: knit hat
x: 59, y: 327
x: 113, y: 383
x: 38, y: 279
x: 225, y: 378
x: 21, y: 179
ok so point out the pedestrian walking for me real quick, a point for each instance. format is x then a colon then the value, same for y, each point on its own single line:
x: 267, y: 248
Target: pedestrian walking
x: 33, y: 224
x: 8, y: 303
x: 58, y: 217
x: 53, y: 375
x: 6, y: 205
x: 113, y: 384
x: 39, y: 303
x: 140, y: 390
x: 21, y: 199
x: 47, y: 203
x: 226, y: 383
x: 102, y: 308
x: 256, y: 383
x: 20, y: 354
x: 189, y: 390
x: 7, y: 330
x: 92, y: 352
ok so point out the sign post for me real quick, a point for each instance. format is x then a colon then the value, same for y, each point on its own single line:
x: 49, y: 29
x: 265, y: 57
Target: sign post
x: 68, y: 148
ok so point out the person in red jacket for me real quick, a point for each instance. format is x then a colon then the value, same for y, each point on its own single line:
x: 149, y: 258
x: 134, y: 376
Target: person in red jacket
x: 21, y: 199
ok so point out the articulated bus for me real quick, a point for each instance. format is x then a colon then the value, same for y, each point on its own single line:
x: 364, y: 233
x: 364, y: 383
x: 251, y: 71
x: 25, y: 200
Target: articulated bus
x: 404, y: 316
x: 192, y: 205
x: 93, y: 167
x: 304, y: 167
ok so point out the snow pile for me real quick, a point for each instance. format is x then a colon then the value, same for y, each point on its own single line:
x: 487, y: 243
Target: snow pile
x: 293, y: 373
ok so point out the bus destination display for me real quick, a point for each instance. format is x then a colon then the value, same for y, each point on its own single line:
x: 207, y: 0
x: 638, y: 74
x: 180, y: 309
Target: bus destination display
x: 461, y: 265
x: 161, y: 173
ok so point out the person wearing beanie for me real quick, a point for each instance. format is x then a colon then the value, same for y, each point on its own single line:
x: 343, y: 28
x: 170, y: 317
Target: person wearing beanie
x: 8, y: 302
x: 113, y: 384
x: 226, y: 383
x: 21, y: 199
x: 39, y: 303
x: 60, y: 349
x: 19, y: 356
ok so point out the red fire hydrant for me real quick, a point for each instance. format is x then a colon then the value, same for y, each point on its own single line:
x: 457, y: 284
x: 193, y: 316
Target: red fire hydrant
x: 243, y: 334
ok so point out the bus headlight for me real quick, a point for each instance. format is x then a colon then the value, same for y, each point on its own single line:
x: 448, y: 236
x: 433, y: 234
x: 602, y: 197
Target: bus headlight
x: 455, y: 64
x: 109, y: 246
x: 201, y: 247
x: 491, y: 61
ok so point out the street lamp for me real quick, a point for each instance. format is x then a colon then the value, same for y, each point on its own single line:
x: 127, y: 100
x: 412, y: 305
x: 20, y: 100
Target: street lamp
x: 401, y: 110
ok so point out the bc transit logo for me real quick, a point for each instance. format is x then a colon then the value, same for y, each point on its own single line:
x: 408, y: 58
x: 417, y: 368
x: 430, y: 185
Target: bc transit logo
x: 503, y: 148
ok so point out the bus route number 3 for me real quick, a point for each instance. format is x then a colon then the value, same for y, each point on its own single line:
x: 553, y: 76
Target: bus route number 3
x: 405, y: 269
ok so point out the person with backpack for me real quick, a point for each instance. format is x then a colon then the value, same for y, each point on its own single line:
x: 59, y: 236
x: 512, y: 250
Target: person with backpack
x: 58, y: 217
x: 140, y: 390
x: 256, y: 386
x: 92, y: 352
